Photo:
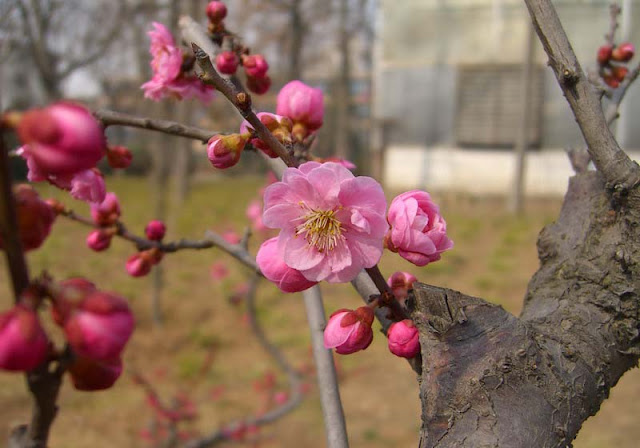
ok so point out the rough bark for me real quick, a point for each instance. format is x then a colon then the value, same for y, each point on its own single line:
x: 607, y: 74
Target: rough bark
x: 491, y: 379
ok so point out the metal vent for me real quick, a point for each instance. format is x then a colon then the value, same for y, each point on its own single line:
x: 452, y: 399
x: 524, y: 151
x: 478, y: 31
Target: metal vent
x: 488, y: 110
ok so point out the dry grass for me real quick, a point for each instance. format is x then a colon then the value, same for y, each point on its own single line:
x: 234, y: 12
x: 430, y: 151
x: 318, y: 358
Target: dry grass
x: 494, y: 257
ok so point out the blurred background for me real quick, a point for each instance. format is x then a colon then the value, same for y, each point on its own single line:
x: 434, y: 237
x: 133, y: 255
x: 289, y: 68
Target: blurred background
x: 451, y: 96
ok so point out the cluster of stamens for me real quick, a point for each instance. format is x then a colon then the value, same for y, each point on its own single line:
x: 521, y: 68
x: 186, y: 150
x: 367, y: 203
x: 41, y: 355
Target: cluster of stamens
x: 321, y: 229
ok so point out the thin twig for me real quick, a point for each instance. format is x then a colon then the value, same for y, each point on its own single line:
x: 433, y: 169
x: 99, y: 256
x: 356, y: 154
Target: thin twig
x: 293, y: 378
x: 109, y: 118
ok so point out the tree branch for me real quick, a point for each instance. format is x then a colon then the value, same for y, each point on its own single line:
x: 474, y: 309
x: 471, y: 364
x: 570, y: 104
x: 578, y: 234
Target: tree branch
x: 618, y: 169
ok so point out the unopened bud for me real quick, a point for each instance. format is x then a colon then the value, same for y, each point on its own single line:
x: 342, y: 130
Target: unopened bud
x: 224, y: 150
x: 227, y: 62
x: 604, y: 54
x: 155, y: 230
x: 258, y: 86
x: 35, y: 217
x: 623, y: 52
x: 138, y: 266
x: 89, y: 374
x: 119, y: 157
x: 99, y: 239
x: 107, y: 212
x: 349, y: 331
x: 404, y: 339
x: 255, y: 65
x: 23, y: 342
x: 216, y: 11
x: 619, y: 72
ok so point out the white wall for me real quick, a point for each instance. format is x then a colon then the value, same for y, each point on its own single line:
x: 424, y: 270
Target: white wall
x: 476, y: 171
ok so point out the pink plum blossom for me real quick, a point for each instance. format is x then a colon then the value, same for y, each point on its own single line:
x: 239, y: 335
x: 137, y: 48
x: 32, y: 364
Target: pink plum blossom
x: 107, y: 212
x: 23, y: 342
x: 349, y: 331
x: 98, y: 326
x: 404, y: 339
x: 227, y: 62
x: 216, y: 11
x: 272, y: 266
x: 61, y: 139
x: 303, y: 104
x: 332, y: 223
x: 255, y: 65
x: 418, y: 231
x: 166, y: 65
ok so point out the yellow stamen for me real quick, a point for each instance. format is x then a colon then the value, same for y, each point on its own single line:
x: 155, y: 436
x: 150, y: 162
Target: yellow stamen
x: 321, y: 229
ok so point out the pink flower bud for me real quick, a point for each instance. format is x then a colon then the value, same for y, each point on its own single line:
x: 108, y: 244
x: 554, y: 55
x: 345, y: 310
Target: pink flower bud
x: 619, y: 72
x: 119, y: 157
x: 107, y: 212
x: 604, y: 54
x: 400, y: 283
x: 623, y: 52
x: 224, y: 150
x: 99, y: 240
x: 99, y: 326
x: 280, y: 128
x: 403, y: 339
x: 231, y: 237
x: 258, y: 86
x: 349, y: 331
x: 23, y: 342
x: 219, y: 271
x: 35, y: 217
x: 155, y: 230
x: 280, y: 397
x: 138, y: 266
x: 63, y: 138
x: 272, y: 265
x: 302, y: 103
x: 255, y: 65
x: 227, y: 62
x: 418, y: 231
x: 89, y: 374
x: 216, y: 11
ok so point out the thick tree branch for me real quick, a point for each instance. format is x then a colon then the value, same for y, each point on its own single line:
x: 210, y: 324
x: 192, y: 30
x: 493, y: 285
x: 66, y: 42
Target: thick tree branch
x: 618, y: 169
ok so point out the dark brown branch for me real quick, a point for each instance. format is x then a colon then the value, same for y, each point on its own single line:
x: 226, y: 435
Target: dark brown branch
x: 109, y: 118
x: 618, y: 169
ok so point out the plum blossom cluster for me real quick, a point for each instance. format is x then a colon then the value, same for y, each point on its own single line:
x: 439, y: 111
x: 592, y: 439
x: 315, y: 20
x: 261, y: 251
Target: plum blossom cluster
x: 172, y: 70
x: 612, y: 62
x: 62, y: 144
x: 96, y: 326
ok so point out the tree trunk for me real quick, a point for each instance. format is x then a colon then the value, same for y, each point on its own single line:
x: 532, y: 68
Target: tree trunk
x: 491, y: 379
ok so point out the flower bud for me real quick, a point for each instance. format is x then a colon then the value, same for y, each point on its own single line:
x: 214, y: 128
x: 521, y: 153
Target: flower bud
x: 107, y: 212
x: 403, y: 339
x: 258, y: 86
x: 63, y: 138
x: 349, y: 331
x: 155, y: 230
x: 23, y: 342
x: 623, y: 52
x: 219, y: 271
x: 604, y: 54
x: 99, y: 240
x: 138, y: 266
x: 400, y: 283
x: 273, y: 267
x: 280, y: 128
x: 619, y: 72
x: 89, y: 374
x: 99, y: 326
x: 255, y: 65
x: 231, y: 236
x: 224, y: 150
x: 35, y: 217
x: 611, y: 81
x: 216, y: 11
x: 227, y: 62
x: 302, y: 104
x: 119, y: 157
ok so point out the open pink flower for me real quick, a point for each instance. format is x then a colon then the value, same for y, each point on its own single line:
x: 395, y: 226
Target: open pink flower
x: 166, y: 64
x: 418, y: 231
x: 302, y: 104
x: 349, y: 331
x: 272, y: 266
x: 332, y: 223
